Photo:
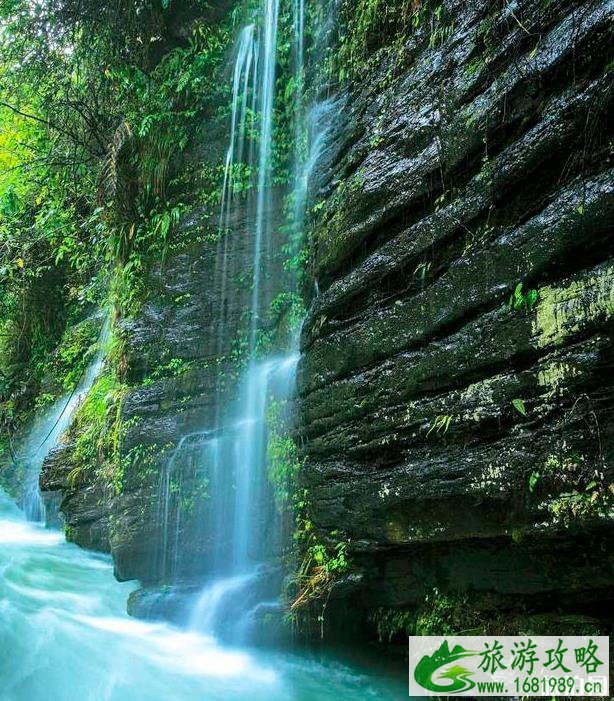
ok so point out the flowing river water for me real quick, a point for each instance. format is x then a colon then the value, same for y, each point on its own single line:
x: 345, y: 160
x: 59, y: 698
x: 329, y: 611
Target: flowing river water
x: 65, y: 636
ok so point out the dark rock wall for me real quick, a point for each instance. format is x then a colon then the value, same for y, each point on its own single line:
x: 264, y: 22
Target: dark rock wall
x: 457, y: 441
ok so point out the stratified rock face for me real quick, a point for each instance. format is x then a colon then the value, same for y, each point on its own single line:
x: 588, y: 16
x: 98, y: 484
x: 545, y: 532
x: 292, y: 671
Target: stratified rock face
x: 457, y: 426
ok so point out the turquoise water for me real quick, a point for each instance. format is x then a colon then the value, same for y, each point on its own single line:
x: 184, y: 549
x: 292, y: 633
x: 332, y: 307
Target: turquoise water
x: 65, y: 636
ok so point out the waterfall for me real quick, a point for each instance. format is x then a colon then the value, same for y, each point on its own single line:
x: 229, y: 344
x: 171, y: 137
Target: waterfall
x: 263, y: 205
x: 241, y: 506
x: 298, y: 11
x: 238, y: 522
x: 242, y: 74
x: 245, y: 81
x: 47, y: 430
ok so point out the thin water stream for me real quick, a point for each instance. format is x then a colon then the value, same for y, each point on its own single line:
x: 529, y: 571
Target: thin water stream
x: 48, y: 428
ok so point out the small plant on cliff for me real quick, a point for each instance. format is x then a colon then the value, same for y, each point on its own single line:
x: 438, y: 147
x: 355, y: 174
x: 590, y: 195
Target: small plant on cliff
x: 438, y: 614
x: 320, y: 568
x: 571, y: 488
x: 370, y: 24
x: 421, y: 271
x: 441, y: 424
x: 520, y: 300
x: 389, y: 623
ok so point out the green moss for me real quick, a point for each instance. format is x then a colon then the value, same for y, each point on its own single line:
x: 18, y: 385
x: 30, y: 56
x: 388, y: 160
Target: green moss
x: 439, y: 614
x: 553, y: 377
x: 371, y: 29
x: 282, y: 455
x: 390, y: 623
x: 570, y: 490
x: 98, y: 428
x: 564, y: 311
x: 140, y: 466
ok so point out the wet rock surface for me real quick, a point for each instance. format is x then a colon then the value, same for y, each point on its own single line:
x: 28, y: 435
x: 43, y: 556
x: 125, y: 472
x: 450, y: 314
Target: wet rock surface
x: 455, y: 406
x: 84, y: 507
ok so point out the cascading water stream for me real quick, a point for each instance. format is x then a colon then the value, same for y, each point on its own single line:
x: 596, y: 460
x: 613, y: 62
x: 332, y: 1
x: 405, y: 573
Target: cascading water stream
x: 263, y: 193
x: 230, y: 456
x: 245, y: 81
x: 298, y: 11
x: 231, y: 599
x: 240, y: 527
x: 47, y: 430
x: 240, y: 502
x: 240, y: 88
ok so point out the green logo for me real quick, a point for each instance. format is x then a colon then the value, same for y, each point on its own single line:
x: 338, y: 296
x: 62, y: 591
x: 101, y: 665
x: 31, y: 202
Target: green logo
x: 428, y: 666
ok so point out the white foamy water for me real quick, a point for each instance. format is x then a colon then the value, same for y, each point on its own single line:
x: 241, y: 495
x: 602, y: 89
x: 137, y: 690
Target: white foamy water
x: 65, y: 636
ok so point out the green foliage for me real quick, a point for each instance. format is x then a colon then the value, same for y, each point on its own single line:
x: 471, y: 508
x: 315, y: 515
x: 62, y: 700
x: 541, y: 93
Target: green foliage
x: 441, y: 424
x: 318, y: 572
x: 389, y: 623
x: 138, y: 466
x: 282, y: 454
x: 534, y: 477
x: 285, y: 315
x: 570, y: 490
x: 75, y: 352
x: 173, y: 368
x: 438, y: 614
x: 444, y: 614
x: 368, y: 25
x: 98, y: 103
x: 520, y: 300
x: 422, y: 270
x: 518, y: 404
x: 97, y: 430
x: 321, y: 564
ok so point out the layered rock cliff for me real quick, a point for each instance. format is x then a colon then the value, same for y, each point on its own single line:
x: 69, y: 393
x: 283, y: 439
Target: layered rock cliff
x: 455, y: 382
